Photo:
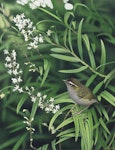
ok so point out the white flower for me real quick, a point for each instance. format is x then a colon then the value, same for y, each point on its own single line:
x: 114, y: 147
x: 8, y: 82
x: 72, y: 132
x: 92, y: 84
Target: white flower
x: 14, y: 80
x: 15, y: 72
x: 19, y: 79
x: 41, y: 40
x: 20, y: 90
x: 14, y: 54
x: 8, y: 59
x: 16, y: 88
x: 38, y: 94
x: 44, y: 97
x: 6, y: 52
x: 10, y: 72
x: 51, y: 99
x: 68, y: 6
x: 49, y: 32
x: 33, y: 99
x: 22, y: 2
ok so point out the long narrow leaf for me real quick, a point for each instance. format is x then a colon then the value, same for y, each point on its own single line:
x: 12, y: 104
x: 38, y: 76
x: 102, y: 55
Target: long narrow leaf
x: 89, y: 50
x: 108, y: 97
x: 79, y: 39
x: 57, y: 114
x: 74, y: 70
x: 59, y: 50
x: 103, y: 57
x: 65, y: 58
x: 21, y: 102
x: 19, y: 142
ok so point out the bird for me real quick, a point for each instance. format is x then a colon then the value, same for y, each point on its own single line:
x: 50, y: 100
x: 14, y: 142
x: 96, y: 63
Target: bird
x: 79, y: 93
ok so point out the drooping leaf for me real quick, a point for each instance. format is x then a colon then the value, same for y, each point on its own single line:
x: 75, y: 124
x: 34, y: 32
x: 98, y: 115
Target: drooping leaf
x: 103, y: 57
x: 74, y: 70
x: 79, y: 39
x: 65, y: 58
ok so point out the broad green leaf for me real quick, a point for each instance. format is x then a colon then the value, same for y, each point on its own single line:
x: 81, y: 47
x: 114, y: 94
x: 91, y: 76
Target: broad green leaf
x: 79, y: 39
x: 103, y: 57
x: 89, y: 50
x: 66, y: 58
x: 74, y: 70
x: 59, y: 50
x: 108, y: 97
x: 21, y: 102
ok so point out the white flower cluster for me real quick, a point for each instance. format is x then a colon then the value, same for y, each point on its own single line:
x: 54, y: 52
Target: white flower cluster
x: 16, y: 72
x: 13, y: 69
x: 26, y: 28
x: 47, y: 105
x: 33, y: 4
x: 36, y: 3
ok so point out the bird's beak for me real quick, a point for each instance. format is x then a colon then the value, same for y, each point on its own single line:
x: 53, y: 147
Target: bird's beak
x: 65, y: 81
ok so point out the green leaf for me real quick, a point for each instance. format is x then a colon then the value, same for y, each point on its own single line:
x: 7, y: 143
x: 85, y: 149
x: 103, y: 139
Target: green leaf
x: 59, y: 50
x: 51, y: 14
x: 67, y: 16
x: 82, y: 5
x: 21, y: 102
x: 66, y: 58
x: 19, y: 142
x: 109, y: 77
x: 108, y: 97
x: 104, y: 125
x: 65, y: 138
x: 90, y: 80
x: 74, y: 70
x: 103, y: 57
x: 46, y: 70
x: 79, y: 39
x: 9, y: 142
x: 53, y: 143
x: 65, y: 132
x: 34, y: 109
x: 57, y: 114
x: 64, y: 123
x: 76, y: 124
x: 98, y: 86
x: 89, y: 50
x: 70, y: 38
x: 65, y: 33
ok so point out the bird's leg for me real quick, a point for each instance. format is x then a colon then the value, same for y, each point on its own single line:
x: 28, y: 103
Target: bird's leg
x: 77, y: 113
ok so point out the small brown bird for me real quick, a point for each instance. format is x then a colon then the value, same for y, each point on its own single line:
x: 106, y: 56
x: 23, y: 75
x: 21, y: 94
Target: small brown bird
x: 79, y: 93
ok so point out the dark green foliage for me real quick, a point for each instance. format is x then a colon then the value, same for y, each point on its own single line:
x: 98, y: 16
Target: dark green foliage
x: 81, y: 45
